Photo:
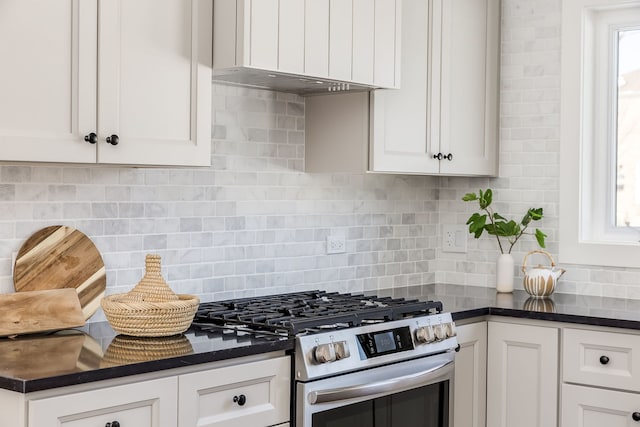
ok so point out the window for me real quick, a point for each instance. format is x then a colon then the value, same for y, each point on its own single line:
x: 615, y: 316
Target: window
x: 600, y: 137
x: 627, y: 208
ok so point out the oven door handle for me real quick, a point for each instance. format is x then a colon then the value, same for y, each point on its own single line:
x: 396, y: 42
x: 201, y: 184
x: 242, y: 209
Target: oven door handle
x: 430, y: 375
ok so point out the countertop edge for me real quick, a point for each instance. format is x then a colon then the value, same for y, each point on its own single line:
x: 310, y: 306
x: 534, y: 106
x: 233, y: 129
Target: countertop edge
x: 27, y: 386
x: 548, y: 316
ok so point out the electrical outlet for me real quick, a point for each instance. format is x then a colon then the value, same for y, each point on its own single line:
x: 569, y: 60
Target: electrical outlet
x: 336, y: 245
x: 454, y: 238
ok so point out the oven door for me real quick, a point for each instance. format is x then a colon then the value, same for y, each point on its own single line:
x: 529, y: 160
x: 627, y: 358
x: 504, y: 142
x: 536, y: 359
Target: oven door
x: 414, y: 393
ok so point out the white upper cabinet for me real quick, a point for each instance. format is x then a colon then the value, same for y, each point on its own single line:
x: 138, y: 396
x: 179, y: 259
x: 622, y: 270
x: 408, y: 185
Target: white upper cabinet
x: 469, y: 86
x: 154, y: 85
x: 355, y: 42
x: 110, y: 82
x: 48, y: 84
x: 444, y: 118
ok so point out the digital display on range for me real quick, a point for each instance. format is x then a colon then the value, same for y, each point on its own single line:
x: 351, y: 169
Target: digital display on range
x: 380, y: 343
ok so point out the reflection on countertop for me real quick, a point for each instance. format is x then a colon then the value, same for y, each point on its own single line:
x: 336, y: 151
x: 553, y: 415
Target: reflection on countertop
x: 95, y: 352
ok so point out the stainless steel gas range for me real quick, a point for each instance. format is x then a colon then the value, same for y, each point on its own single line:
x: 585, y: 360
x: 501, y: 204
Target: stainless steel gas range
x: 359, y: 360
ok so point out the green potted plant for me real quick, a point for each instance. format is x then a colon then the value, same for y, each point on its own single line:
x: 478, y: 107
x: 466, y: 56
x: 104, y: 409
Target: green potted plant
x: 507, y: 233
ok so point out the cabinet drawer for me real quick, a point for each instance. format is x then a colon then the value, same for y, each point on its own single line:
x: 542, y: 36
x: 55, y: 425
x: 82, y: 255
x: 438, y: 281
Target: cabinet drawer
x: 592, y: 407
x: 145, y: 404
x: 250, y: 394
x: 603, y: 359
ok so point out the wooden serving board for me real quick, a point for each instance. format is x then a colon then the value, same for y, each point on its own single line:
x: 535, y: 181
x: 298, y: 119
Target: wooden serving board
x: 39, y: 311
x: 60, y: 257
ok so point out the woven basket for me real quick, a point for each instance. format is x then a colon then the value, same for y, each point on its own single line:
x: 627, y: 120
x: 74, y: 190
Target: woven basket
x: 151, y: 308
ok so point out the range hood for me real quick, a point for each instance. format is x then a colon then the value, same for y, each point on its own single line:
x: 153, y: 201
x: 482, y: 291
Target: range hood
x: 285, y: 82
x: 307, y: 46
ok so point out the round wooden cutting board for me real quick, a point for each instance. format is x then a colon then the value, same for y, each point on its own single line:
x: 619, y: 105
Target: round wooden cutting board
x: 60, y: 257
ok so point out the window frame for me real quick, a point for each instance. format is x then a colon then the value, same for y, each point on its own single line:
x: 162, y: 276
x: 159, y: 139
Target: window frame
x: 588, y: 117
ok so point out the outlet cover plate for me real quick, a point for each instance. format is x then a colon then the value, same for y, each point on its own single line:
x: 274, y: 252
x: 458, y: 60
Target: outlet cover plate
x: 336, y: 245
x: 454, y: 238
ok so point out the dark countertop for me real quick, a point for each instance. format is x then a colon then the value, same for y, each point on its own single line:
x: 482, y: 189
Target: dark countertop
x: 466, y: 302
x: 93, y: 353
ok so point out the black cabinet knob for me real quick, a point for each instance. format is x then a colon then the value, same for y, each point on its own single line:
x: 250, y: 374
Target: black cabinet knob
x: 636, y: 416
x: 438, y: 156
x: 449, y: 157
x: 113, y: 139
x: 604, y: 360
x: 92, y: 138
x: 112, y: 424
x: 240, y: 400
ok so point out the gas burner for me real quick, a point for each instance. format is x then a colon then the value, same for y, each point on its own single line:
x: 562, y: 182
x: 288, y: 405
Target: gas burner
x: 309, y: 312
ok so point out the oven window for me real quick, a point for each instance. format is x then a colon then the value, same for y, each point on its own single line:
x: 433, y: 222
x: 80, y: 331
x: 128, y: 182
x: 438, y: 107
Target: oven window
x: 426, y: 406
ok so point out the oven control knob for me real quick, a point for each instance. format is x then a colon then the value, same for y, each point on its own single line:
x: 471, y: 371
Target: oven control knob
x: 341, y: 349
x: 325, y: 353
x: 425, y: 334
x: 451, y: 330
x: 440, y: 331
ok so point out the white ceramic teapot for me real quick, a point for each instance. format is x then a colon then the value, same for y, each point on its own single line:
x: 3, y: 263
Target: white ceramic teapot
x: 540, y: 281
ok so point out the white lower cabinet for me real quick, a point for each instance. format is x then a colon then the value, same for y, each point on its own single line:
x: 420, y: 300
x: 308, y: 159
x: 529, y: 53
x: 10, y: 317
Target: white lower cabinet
x: 251, y: 392
x: 522, y: 375
x: 601, y: 374
x: 594, y: 407
x: 145, y: 404
x: 598, y: 385
x: 255, y: 394
x: 470, y: 381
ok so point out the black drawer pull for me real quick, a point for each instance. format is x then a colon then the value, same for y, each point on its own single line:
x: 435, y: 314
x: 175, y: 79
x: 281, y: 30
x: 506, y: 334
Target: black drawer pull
x: 604, y: 360
x: 112, y: 424
x: 449, y: 157
x: 636, y: 416
x: 240, y: 400
x: 438, y: 156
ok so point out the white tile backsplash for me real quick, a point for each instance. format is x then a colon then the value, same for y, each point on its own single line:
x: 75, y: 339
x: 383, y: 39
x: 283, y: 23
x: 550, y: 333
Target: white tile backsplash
x: 253, y: 223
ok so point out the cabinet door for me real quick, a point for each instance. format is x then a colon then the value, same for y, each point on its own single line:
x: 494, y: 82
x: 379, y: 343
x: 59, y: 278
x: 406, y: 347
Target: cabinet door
x: 468, y: 91
x: 470, y: 386
x: 522, y: 375
x: 47, y: 89
x: 250, y: 394
x: 399, y: 138
x: 144, y: 404
x: 593, y: 407
x: 154, y: 87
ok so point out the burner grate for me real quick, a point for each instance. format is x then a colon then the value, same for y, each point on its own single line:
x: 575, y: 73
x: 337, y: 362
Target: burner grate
x: 308, y: 312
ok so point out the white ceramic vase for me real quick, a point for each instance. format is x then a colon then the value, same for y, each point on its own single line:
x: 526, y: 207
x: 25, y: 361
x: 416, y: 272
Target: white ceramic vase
x: 504, y: 273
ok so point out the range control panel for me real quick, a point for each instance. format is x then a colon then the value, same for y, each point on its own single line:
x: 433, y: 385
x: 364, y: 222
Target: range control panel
x: 349, y: 349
